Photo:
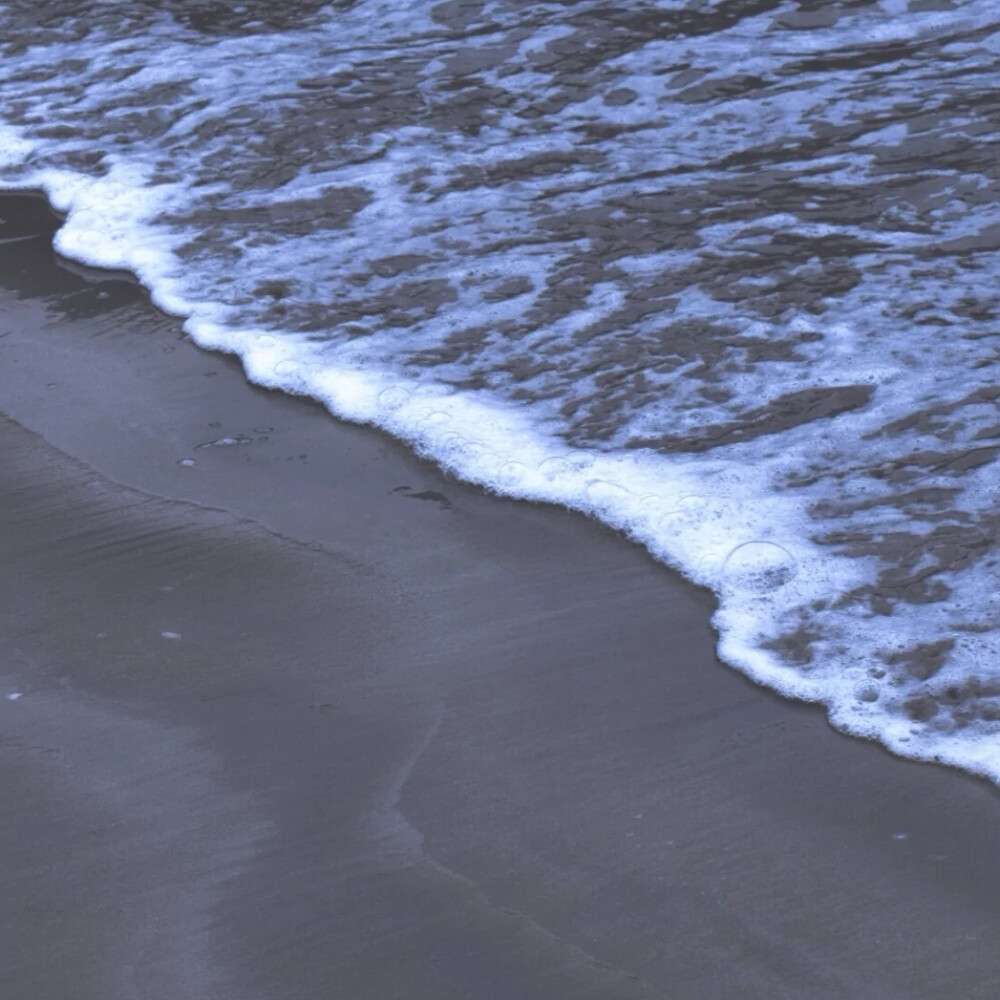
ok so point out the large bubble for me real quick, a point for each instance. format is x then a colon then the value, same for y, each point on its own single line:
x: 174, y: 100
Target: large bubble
x: 758, y: 567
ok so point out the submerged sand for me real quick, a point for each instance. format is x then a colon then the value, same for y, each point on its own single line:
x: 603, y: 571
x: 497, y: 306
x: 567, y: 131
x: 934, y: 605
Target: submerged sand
x: 306, y: 718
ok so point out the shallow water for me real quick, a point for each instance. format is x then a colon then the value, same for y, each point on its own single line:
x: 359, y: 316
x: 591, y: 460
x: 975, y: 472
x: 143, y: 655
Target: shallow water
x: 723, y: 274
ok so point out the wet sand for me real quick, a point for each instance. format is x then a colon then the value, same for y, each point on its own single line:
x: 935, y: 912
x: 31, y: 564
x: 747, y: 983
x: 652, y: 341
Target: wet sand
x: 308, y: 719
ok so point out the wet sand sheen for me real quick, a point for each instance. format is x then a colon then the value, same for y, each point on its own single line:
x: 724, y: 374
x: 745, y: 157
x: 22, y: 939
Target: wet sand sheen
x: 305, y: 718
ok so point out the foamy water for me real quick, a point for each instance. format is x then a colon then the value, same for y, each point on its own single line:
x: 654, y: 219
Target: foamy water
x: 722, y: 274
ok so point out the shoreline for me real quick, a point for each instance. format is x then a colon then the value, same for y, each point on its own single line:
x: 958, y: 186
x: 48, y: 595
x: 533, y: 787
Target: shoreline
x: 736, y: 645
x: 469, y: 745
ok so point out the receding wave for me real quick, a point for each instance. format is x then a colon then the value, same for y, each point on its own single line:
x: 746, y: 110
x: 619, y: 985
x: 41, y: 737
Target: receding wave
x: 723, y: 274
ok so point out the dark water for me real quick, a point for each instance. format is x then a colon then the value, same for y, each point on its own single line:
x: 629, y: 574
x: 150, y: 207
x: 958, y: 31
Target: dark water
x: 723, y: 274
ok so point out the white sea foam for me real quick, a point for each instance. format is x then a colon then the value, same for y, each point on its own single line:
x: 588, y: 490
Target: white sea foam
x: 457, y: 281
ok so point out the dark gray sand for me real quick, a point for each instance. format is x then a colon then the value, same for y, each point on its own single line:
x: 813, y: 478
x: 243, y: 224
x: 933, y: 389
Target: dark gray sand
x: 306, y: 719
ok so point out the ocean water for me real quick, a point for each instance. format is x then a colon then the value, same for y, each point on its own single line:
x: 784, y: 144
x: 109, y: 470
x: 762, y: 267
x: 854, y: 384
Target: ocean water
x: 723, y: 274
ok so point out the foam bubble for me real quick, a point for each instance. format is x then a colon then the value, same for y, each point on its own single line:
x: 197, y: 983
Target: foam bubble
x: 605, y: 494
x: 759, y: 567
x: 565, y: 465
x: 512, y: 474
x: 429, y: 422
x: 393, y: 398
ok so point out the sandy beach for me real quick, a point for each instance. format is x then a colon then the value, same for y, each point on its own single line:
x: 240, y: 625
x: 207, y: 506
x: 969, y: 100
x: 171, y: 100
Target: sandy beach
x: 288, y: 714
